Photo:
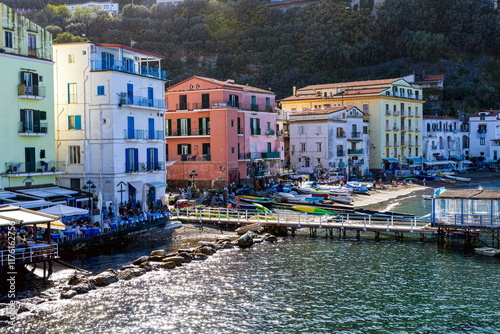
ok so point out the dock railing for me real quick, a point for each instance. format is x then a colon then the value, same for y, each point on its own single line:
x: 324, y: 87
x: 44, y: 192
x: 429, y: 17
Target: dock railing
x: 31, y: 254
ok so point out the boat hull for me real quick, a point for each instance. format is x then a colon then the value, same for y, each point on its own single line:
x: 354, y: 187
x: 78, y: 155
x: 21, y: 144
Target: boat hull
x: 308, y: 209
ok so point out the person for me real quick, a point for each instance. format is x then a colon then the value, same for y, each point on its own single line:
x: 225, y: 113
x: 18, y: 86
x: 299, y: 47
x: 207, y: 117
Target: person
x: 423, y: 182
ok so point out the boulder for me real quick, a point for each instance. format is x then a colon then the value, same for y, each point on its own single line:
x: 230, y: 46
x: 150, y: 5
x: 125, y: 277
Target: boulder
x: 245, y: 241
x: 146, y: 266
x: 106, y: 277
x: 75, y: 279
x: 81, y: 288
x: 200, y: 256
x: 206, y: 250
x: 167, y: 265
x: 207, y: 244
x: 138, y: 271
x: 126, y: 274
x: 270, y: 238
x: 156, y: 258
x: 159, y: 252
x: 68, y: 294
x: 140, y: 260
x: 175, y: 259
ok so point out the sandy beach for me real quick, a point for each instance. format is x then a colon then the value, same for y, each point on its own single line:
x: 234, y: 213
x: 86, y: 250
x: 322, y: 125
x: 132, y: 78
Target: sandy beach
x: 378, y: 196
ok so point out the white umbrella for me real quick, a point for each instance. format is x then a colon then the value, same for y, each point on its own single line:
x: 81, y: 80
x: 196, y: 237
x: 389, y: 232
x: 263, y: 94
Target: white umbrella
x: 62, y: 210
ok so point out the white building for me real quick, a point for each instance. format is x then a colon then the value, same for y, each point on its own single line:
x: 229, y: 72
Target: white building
x: 173, y: 2
x: 110, y: 7
x: 445, y: 137
x: 485, y: 135
x: 329, y: 138
x: 110, y: 120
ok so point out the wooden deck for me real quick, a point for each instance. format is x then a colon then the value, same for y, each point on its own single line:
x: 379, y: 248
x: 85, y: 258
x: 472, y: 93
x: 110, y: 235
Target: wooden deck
x: 31, y: 254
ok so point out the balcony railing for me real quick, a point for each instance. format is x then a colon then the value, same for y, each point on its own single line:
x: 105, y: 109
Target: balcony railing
x: 356, y: 134
x: 141, y: 101
x: 141, y: 167
x: 269, y: 132
x: 215, y: 104
x: 270, y: 155
x: 351, y: 151
x: 395, y: 128
x: 341, y: 135
x: 127, y: 67
x: 41, y: 166
x: 33, y: 91
x: 396, y: 112
x: 192, y: 132
x: 32, y: 128
x: 340, y: 153
x: 143, y: 134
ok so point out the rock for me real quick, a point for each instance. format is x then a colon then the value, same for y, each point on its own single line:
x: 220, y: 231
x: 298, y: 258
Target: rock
x: 175, y: 259
x: 167, y: 265
x: 207, y: 250
x: 186, y: 250
x: 81, y: 288
x: 140, y: 260
x: 68, y: 294
x: 146, y: 266
x: 23, y: 308
x: 156, y: 258
x: 270, y: 238
x: 138, y: 271
x: 126, y: 274
x: 159, y: 252
x: 106, y: 277
x: 186, y: 255
x: 129, y: 266
x: 245, y: 241
x: 200, y: 256
x: 75, y: 279
x: 227, y: 244
x: 258, y: 240
x: 207, y: 244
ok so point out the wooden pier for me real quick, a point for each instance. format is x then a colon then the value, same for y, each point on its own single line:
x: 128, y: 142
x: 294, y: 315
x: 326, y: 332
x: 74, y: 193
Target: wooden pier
x: 399, y: 225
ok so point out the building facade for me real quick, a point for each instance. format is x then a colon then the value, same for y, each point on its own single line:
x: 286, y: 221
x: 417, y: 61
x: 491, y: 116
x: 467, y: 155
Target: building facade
x: 329, y: 139
x: 445, y: 137
x: 393, y: 108
x: 110, y: 121
x: 27, y: 155
x: 485, y: 135
x: 222, y: 131
x: 110, y: 7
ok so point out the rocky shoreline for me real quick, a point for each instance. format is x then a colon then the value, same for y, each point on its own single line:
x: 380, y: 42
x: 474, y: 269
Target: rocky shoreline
x: 160, y: 259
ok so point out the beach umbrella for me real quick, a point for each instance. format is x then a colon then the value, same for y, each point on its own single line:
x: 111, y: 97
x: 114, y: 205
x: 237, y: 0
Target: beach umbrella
x: 62, y: 210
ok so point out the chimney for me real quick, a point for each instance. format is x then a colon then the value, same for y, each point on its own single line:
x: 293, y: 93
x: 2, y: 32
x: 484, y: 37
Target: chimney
x: 294, y: 91
x: 231, y: 81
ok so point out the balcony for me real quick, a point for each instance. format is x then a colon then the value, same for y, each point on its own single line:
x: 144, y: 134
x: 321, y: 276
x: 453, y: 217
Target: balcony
x: 356, y: 135
x: 269, y: 132
x: 410, y: 128
x: 126, y: 67
x: 410, y: 113
x: 192, y: 132
x: 32, y: 128
x: 255, y: 131
x: 254, y: 107
x: 396, y: 112
x: 387, y: 112
x: 352, y: 151
x: 41, y: 166
x: 270, y: 155
x: 434, y: 147
x: 341, y: 135
x: 142, y: 167
x: 396, y: 143
x: 31, y: 92
x: 389, y: 143
x: 140, y: 101
x: 259, y: 173
x: 143, y: 135
x: 395, y: 128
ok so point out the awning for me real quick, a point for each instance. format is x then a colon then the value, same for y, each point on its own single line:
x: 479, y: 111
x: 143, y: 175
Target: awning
x: 390, y: 160
x: 439, y: 163
x: 10, y: 214
x: 417, y: 160
x: 456, y: 157
x: 490, y: 161
x: 136, y: 184
x: 156, y: 184
x: 467, y: 162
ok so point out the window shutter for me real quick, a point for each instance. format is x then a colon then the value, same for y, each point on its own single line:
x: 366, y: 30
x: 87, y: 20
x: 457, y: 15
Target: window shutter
x: 22, y: 114
x: 155, y: 158
x: 148, y: 159
x: 178, y: 127
x: 189, y: 148
x: 136, y: 159
x: 43, y: 115
x: 127, y: 160
x: 22, y: 78
x: 189, y: 126
x: 179, y: 149
x: 78, y: 122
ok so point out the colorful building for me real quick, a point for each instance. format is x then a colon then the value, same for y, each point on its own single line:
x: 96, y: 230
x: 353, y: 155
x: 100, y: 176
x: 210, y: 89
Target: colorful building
x: 110, y: 121
x: 27, y: 153
x: 485, y: 135
x: 393, y: 108
x: 222, y: 132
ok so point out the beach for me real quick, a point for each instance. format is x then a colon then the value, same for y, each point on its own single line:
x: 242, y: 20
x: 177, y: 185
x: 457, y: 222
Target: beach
x: 378, y: 196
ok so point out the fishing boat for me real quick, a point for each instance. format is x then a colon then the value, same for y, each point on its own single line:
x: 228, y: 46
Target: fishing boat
x: 425, y: 177
x: 309, y: 209
x: 236, y: 203
x: 252, y: 227
x: 254, y: 199
x: 340, y: 199
x: 428, y: 197
x: 452, y: 182
x: 358, y: 189
x: 314, y: 192
x: 458, y: 178
x: 488, y: 251
x: 261, y: 208
x: 341, y: 191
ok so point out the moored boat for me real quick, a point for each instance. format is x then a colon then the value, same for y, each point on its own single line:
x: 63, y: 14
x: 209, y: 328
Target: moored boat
x: 425, y: 177
x: 314, y: 192
x: 254, y: 199
x: 309, y: 209
x: 247, y: 228
x: 488, y: 251
x: 340, y: 199
x: 458, y: 178
x: 236, y: 203
x: 452, y: 182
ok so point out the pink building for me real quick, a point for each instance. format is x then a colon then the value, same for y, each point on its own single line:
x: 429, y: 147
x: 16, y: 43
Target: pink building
x: 223, y: 131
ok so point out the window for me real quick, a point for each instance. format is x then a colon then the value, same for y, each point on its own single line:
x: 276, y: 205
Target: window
x: 150, y: 97
x: 184, y: 150
x: 205, y: 150
x: 184, y: 127
x: 131, y: 160
x: 31, y: 45
x: 307, y: 162
x: 232, y: 150
x: 100, y: 90
x: 130, y: 93
x: 152, y: 159
x: 7, y: 42
x: 151, y: 129
x: 182, y: 102
x: 131, y: 128
x: 482, y: 141
x: 387, y: 139
x: 366, y: 109
x: 302, y: 147
x: 232, y: 123
x: 29, y: 80
x: 268, y: 103
x: 293, y: 148
x: 74, y: 122
x: 254, y: 106
x: 74, y: 183
x: 74, y: 155
x: 204, y: 123
x: 129, y: 65
x: 365, y: 130
x: 71, y: 58
x: 482, y: 117
x: 301, y: 129
x: 108, y: 61
x: 318, y: 147
x: 168, y: 127
x: 234, y: 101
x: 254, y: 126
x: 269, y: 147
x: 205, y: 101
x: 71, y: 93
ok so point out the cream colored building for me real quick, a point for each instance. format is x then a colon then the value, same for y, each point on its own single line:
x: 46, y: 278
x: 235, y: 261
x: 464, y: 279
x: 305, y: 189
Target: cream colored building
x: 27, y: 150
x: 393, y: 108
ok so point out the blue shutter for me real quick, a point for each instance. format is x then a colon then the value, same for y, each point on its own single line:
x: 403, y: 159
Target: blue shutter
x: 156, y: 164
x: 131, y: 130
x: 150, y: 96
x: 111, y: 61
x: 148, y: 161
x: 127, y: 160
x: 136, y: 159
x: 130, y: 93
x: 151, y: 128
x: 78, y: 122
x: 103, y: 60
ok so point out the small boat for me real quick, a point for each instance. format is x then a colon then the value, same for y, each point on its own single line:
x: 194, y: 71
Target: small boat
x: 452, y: 182
x: 425, y: 177
x: 309, y: 209
x: 488, y: 251
x: 236, y: 203
x: 340, y: 199
x: 358, y: 189
x: 173, y: 224
x: 428, y: 197
x: 314, y: 192
x: 261, y: 208
x: 254, y: 199
x: 458, y: 178
x: 341, y: 191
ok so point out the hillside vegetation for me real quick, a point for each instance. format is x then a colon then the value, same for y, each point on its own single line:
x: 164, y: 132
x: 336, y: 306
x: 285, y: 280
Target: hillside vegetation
x: 325, y: 42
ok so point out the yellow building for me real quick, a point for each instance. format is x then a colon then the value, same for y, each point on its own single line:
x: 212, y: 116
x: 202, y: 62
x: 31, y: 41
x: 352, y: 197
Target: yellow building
x: 27, y: 150
x: 393, y: 108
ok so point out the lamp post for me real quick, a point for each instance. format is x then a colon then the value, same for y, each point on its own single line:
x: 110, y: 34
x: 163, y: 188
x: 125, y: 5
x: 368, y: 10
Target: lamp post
x: 121, y: 184
x: 90, y: 187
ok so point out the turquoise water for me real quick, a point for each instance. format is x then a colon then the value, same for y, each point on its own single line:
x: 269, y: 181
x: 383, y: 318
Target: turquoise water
x: 296, y: 286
